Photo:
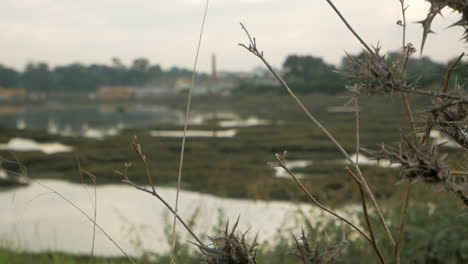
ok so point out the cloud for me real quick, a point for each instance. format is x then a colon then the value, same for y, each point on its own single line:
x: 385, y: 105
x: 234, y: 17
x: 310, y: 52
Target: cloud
x: 166, y: 31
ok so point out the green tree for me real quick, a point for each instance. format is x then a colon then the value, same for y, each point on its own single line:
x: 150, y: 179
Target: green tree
x: 76, y: 78
x: 309, y: 74
x: 306, y: 68
x: 138, y: 73
x: 36, y: 77
x: 8, y: 77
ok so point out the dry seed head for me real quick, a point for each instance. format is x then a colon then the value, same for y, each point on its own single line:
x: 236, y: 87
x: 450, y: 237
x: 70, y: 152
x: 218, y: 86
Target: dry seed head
x: 451, y: 118
x: 376, y: 74
x: 460, y: 6
x: 423, y: 162
x: 231, y: 248
x: 309, y: 255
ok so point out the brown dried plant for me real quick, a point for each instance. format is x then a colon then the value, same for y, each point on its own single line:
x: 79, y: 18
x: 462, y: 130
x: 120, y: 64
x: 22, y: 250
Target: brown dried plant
x: 451, y: 118
x: 230, y: 248
x: 376, y: 74
x: 423, y: 162
x: 317, y: 255
x: 373, y: 74
x: 460, y: 6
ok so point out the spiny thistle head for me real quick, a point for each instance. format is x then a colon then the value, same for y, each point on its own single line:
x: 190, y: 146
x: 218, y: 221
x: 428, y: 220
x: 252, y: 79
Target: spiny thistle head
x: 317, y: 255
x: 230, y: 248
x: 451, y: 118
x: 460, y: 6
x: 376, y: 74
x: 423, y: 162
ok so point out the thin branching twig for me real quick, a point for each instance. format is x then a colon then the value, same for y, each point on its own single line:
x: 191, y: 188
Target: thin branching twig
x: 92, y: 177
x: 281, y: 162
x: 404, y: 209
x: 252, y: 48
x: 401, y: 228
x: 450, y: 70
x: 137, y: 148
x: 155, y: 194
x: 87, y: 216
x: 366, y: 215
x: 349, y: 26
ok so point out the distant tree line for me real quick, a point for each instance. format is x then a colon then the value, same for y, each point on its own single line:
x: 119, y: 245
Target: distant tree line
x: 310, y: 74
x: 305, y: 74
x: 76, y: 77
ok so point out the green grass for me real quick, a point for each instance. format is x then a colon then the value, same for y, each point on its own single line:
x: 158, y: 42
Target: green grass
x: 237, y: 167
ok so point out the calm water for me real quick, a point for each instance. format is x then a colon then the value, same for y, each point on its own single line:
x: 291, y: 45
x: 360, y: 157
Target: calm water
x: 75, y: 116
x: 31, y: 218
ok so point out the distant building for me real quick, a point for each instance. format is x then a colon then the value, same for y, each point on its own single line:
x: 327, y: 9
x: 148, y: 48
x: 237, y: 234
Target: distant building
x: 10, y: 94
x: 153, y: 91
x: 115, y: 93
x: 182, y: 84
x: 217, y: 84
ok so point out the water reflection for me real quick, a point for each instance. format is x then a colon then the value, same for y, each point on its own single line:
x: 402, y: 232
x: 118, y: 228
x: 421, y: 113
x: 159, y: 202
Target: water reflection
x: 100, y: 121
x: 195, y: 133
x: 62, y: 118
x: 34, y: 219
x: 25, y: 144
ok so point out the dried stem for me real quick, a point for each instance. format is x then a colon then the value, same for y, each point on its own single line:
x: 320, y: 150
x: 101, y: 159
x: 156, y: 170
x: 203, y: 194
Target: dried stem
x: 449, y: 71
x: 137, y: 148
x: 155, y: 194
x: 87, y: 216
x: 349, y: 26
x: 252, y: 48
x: 94, y: 218
x: 454, y: 172
x: 366, y: 215
x: 404, y: 212
x: 404, y: 209
x: 409, y: 114
x: 281, y: 163
x: 187, y: 117
x: 403, y: 24
x: 436, y: 94
x: 358, y: 139
x: 93, y: 180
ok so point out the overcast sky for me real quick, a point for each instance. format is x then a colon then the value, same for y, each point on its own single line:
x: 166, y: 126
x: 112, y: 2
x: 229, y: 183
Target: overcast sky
x: 166, y: 31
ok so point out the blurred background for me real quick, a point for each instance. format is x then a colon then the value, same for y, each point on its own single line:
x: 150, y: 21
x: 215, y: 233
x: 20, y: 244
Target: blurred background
x: 80, y: 79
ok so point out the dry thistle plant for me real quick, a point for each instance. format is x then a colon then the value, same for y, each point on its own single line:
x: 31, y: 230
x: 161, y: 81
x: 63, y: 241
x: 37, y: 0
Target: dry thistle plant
x: 230, y: 248
x: 435, y: 9
x: 377, y: 74
x: 451, y: 118
x: 317, y: 255
x: 423, y: 163
x: 374, y: 74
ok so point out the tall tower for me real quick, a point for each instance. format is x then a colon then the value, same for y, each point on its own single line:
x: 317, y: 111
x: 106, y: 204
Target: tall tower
x: 213, y: 67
